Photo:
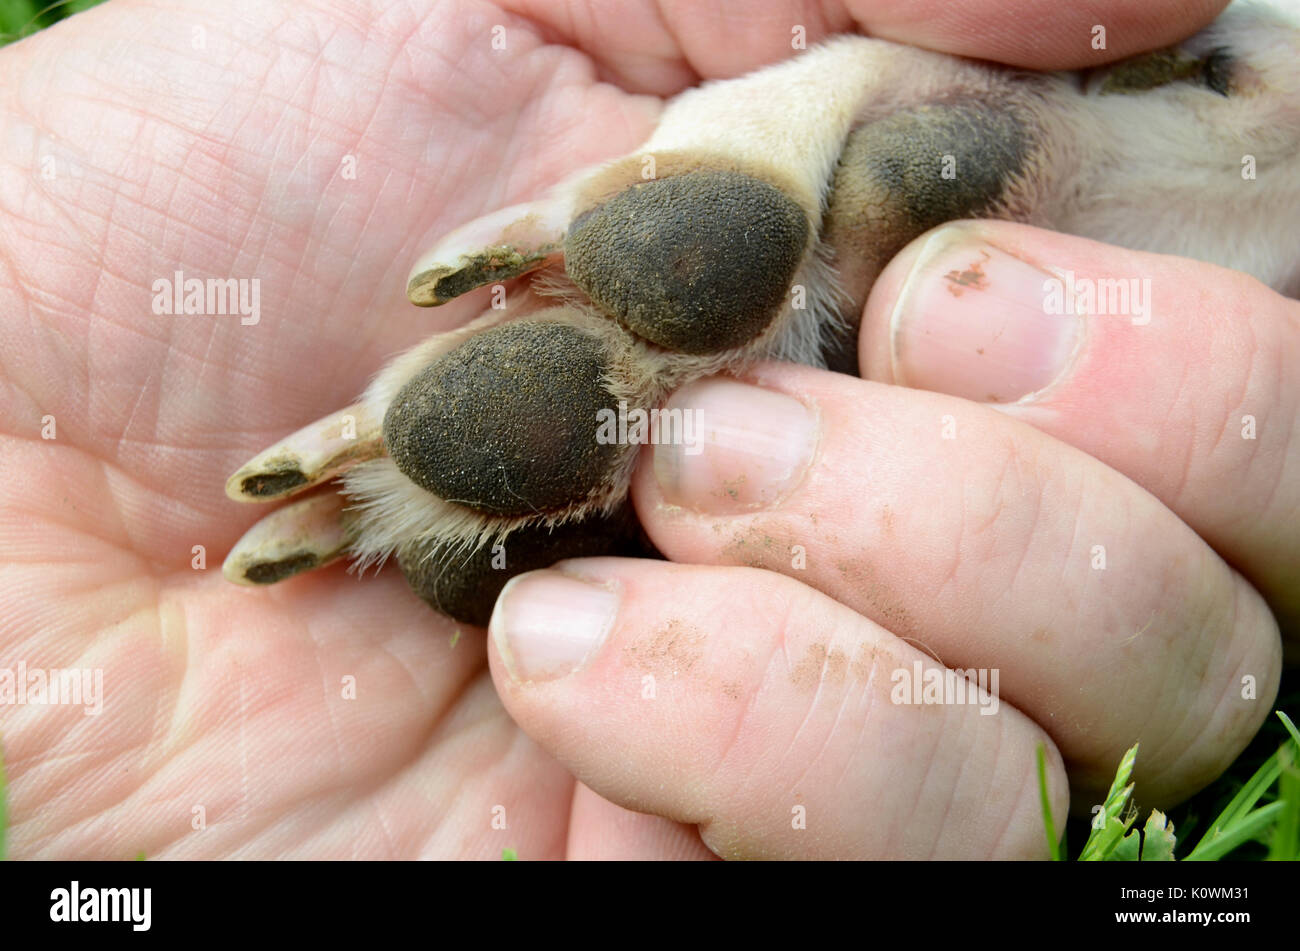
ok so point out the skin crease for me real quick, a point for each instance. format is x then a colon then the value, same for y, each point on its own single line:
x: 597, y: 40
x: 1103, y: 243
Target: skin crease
x: 224, y: 161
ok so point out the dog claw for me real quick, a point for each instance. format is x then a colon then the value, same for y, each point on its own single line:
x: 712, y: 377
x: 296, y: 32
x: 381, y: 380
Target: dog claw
x: 488, y: 250
x: 312, y: 455
x: 304, y: 535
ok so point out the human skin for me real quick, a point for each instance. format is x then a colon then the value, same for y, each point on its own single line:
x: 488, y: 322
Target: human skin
x: 213, y: 142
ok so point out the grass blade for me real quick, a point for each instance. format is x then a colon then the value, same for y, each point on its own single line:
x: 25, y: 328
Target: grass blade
x: 1285, y: 844
x: 1215, y: 846
x: 1246, y: 797
x: 1053, y: 846
x: 1249, y: 795
x: 1290, y: 727
x: 1107, y: 829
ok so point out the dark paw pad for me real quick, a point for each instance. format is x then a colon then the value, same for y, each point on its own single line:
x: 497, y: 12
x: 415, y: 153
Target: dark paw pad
x: 898, y: 164
x: 695, y: 263
x: 465, y: 587
x: 506, y: 423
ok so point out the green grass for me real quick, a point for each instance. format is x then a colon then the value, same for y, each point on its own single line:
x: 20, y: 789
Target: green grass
x: 1260, y: 820
x: 19, y: 18
x: 1053, y: 843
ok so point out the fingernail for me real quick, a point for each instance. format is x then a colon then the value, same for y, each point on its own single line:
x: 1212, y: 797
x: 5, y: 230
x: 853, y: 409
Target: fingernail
x: 971, y: 320
x: 547, y: 625
x: 750, y: 449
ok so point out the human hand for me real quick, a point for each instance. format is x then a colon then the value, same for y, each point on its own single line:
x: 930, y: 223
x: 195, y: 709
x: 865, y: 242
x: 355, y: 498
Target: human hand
x: 227, y: 160
x: 896, y: 523
x: 1079, y: 577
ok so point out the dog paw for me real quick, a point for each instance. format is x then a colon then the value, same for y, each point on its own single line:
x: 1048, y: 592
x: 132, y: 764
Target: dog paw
x: 749, y: 226
x: 497, y: 448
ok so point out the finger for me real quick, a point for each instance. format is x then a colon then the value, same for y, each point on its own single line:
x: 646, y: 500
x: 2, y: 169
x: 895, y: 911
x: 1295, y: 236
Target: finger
x: 1177, y: 373
x: 664, y: 47
x: 990, y: 543
x: 1038, y: 35
x: 763, y: 712
x: 600, y: 831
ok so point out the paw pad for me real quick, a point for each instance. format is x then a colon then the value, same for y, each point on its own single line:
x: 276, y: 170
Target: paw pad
x: 696, y: 263
x: 465, y: 587
x: 506, y: 423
